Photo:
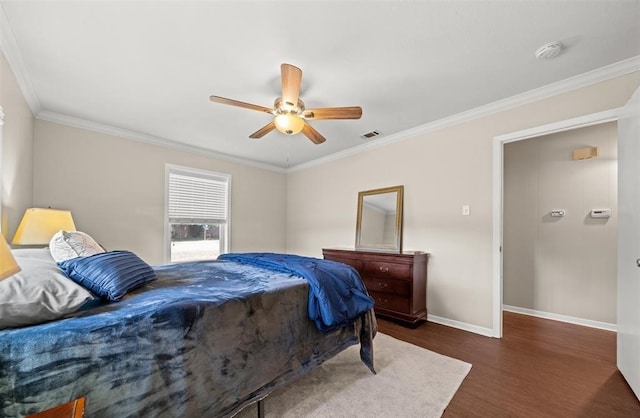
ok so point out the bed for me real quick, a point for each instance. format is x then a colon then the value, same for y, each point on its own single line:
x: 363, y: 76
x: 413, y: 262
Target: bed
x: 204, y: 339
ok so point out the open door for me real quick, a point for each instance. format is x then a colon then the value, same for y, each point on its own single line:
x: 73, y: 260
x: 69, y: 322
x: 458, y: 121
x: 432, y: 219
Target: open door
x: 629, y: 243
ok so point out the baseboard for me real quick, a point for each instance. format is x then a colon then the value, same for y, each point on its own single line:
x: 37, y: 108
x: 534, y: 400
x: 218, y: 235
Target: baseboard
x: 562, y: 318
x: 487, y: 332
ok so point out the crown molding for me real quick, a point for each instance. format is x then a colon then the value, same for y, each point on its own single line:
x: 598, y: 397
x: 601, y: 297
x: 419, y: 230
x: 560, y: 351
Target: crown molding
x: 573, y: 83
x: 13, y: 56
x: 149, y: 139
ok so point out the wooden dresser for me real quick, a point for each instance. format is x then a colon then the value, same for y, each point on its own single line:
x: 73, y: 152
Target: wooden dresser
x: 397, y: 282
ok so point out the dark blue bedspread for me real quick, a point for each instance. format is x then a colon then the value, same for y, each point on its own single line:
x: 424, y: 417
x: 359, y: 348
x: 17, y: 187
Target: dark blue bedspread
x: 337, y: 294
x: 202, y: 340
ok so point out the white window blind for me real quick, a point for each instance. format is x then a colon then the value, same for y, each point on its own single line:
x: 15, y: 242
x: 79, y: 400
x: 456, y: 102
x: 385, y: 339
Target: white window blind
x: 197, y: 198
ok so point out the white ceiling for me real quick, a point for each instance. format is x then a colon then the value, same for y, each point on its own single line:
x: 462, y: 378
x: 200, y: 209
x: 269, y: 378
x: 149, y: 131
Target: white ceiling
x: 147, y: 68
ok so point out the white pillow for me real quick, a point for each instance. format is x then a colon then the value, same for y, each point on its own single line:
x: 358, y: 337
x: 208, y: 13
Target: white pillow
x: 39, y: 292
x: 67, y: 245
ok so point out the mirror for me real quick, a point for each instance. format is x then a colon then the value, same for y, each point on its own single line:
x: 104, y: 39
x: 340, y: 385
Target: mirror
x: 379, y: 222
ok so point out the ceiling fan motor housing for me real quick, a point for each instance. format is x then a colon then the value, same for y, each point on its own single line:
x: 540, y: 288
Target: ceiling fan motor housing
x: 288, y: 118
x: 281, y: 107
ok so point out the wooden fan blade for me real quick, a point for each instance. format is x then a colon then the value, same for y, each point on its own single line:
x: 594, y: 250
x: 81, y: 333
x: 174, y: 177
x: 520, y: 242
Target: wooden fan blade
x: 291, y: 80
x: 352, y: 112
x: 224, y: 100
x: 263, y: 131
x: 312, y: 134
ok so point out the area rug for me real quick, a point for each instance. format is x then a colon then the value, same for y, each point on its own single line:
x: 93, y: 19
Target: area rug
x: 410, y: 382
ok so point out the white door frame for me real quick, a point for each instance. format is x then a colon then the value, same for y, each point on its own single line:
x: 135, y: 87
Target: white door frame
x: 498, y: 181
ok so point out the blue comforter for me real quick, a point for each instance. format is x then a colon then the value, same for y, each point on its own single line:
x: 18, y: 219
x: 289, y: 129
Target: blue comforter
x: 337, y: 295
x: 202, y: 340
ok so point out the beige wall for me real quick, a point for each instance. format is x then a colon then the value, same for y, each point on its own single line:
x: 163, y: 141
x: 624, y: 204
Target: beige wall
x: 561, y: 265
x: 17, y: 151
x: 441, y: 171
x: 115, y: 189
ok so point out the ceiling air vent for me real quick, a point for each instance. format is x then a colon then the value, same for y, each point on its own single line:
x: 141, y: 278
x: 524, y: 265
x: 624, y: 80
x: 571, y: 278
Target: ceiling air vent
x: 370, y: 135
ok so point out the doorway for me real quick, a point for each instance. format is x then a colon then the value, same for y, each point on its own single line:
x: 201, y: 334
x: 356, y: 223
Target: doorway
x: 498, y: 193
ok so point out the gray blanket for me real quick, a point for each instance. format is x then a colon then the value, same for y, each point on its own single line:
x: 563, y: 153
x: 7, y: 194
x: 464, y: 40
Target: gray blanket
x: 203, y: 340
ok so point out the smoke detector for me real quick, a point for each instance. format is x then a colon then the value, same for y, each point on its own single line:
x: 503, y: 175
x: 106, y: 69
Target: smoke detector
x: 548, y: 51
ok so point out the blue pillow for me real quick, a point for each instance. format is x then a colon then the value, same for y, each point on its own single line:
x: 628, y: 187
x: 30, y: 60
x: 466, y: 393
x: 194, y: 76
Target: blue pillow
x: 109, y: 275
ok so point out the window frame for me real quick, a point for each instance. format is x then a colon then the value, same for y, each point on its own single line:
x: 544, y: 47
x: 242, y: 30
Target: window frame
x: 225, y: 244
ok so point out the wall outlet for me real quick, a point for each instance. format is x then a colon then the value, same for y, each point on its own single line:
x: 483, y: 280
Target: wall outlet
x: 466, y: 210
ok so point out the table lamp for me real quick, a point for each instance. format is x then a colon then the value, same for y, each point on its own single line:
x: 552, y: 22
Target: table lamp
x: 8, y: 265
x: 38, y: 225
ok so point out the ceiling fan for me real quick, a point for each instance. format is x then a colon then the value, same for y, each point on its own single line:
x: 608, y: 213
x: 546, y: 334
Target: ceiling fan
x: 290, y: 114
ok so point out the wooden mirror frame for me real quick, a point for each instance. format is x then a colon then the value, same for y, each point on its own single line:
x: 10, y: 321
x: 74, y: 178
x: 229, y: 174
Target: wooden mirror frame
x: 396, y: 246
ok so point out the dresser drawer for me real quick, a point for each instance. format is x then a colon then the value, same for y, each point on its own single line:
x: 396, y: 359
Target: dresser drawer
x: 396, y: 281
x: 390, y: 301
x: 356, y: 264
x: 384, y: 269
x: 384, y: 285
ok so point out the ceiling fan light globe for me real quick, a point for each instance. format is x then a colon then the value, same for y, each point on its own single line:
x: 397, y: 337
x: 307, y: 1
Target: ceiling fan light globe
x: 289, y: 124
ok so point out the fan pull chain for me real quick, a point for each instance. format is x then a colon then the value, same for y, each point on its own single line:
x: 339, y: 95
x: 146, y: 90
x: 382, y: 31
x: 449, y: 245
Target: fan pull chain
x: 288, y: 149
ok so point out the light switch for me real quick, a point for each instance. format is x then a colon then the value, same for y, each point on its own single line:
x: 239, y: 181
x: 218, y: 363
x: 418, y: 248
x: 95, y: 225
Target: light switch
x: 466, y: 211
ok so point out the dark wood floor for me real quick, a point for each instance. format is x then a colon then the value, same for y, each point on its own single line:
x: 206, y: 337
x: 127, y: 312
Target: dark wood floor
x: 540, y: 368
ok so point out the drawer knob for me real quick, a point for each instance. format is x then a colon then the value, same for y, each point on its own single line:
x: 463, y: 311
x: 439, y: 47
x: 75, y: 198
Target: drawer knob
x: 383, y: 301
x: 382, y: 285
x: 384, y: 269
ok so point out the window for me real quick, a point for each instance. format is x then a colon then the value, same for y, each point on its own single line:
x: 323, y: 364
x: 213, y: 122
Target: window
x: 197, y: 213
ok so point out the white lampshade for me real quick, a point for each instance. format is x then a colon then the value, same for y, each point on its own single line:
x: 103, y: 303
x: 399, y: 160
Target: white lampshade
x: 38, y: 225
x: 288, y: 123
x: 8, y: 265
